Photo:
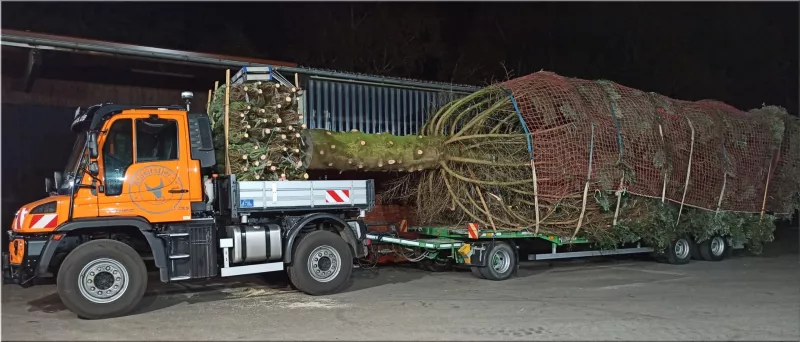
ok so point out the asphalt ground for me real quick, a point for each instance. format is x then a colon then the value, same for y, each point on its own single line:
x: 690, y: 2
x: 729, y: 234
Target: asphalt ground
x: 742, y: 298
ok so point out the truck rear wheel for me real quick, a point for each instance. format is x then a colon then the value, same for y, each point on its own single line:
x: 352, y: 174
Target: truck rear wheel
x: 322, y: 263
x: 102, y: 279
x: 501, y: 262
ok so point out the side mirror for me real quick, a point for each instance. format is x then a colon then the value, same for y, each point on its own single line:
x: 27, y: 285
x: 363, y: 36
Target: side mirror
x: 48, y: 185
x: 57, y: 179
x: 94, y: 170
x: 92, y: 144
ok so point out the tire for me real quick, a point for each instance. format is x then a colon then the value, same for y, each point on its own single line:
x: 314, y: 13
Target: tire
x: 696, y: 252
x: 329, y: 253
x: 476, y: 271
x: 501, y: 262
x: 119, y: 265
x: 713, y: 249
x: 679, y: 251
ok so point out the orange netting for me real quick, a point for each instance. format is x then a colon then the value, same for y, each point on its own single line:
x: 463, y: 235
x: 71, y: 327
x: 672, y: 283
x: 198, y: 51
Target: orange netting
x: 704, y: 154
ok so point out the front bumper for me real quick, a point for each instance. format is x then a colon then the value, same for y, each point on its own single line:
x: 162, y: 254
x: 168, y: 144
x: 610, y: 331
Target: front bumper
x: 25, y: 272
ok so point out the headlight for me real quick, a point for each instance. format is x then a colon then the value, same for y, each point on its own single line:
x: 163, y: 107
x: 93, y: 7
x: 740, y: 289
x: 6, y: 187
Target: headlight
x: 47, y: 208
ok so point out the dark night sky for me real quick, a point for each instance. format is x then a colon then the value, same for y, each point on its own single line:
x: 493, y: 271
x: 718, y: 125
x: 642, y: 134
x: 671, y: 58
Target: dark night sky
x: 744, y: 54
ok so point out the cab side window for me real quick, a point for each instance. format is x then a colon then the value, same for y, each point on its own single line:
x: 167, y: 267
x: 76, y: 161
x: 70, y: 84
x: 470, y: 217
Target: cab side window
x: 117, y: 155
x: 156, y: 140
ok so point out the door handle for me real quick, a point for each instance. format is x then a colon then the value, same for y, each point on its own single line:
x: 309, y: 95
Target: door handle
x: 178, y: 191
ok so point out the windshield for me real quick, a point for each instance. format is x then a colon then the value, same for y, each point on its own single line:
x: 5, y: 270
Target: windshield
x: 77, y: 155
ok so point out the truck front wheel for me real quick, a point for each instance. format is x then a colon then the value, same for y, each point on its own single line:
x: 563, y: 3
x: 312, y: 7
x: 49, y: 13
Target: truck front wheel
x: 322, y: 263
x: 102, y: 279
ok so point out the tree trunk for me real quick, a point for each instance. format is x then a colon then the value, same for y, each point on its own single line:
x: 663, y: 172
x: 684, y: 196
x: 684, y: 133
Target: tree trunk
x: 326, y: 150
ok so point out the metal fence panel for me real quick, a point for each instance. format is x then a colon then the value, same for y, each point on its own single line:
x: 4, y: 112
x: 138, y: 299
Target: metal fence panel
x: 342, y: 105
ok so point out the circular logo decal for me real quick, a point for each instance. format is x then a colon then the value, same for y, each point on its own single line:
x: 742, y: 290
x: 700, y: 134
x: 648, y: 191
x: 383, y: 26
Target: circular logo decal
x: 150, y: 189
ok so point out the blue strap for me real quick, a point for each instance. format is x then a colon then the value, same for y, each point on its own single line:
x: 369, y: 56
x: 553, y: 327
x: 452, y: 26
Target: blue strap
x: 521, y: 121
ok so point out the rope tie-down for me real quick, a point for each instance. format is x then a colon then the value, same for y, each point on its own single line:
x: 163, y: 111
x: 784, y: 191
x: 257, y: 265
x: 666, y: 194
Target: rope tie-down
x: 688, y: 173
x: 608, y: 87
x: 586, y: 186
x: 533, y: 163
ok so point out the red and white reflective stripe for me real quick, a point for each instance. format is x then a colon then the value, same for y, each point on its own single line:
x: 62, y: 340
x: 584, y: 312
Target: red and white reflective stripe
x: 44, y: 221
x: 21, y: 217
x: 337, y: 196
x: 472, y: 230
x: 403, y: 226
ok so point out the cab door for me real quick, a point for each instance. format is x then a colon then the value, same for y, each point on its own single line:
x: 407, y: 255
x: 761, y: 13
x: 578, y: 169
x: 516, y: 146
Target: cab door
x: 145, y: 169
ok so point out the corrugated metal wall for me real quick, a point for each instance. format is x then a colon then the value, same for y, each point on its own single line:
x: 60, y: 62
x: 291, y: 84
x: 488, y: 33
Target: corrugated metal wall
x: 344, y: 105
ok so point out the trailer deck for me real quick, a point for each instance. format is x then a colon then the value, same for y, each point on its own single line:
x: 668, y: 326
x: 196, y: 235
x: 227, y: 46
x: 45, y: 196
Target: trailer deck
x: 456, y: 243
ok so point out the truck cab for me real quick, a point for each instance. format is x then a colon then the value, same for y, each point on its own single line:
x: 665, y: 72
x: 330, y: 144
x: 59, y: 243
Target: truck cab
x: 141, y: 184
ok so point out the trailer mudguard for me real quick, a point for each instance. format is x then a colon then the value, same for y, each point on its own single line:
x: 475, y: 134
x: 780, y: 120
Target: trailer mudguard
x: 302, y: 221
x: 156, y: 245
x: 479, y: 259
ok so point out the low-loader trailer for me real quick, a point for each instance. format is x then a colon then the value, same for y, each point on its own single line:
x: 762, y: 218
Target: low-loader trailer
x: 140, y: 184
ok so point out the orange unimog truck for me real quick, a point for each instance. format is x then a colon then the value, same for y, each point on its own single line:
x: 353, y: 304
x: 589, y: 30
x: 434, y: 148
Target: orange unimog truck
x: 140, y: 185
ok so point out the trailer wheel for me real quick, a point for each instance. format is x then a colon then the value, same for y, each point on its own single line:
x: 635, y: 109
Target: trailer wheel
x: 679, y: 252
x: 501, y: 262
x: 102, y: 279
x: 713, y: 249
x: 322, y: 263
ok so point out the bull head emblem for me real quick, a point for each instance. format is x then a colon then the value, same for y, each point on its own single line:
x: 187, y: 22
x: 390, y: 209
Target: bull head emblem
x: 156, y: 191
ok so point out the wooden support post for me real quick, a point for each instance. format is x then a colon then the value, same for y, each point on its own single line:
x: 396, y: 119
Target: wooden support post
x: 535, y: 195
x: 721, y: 193
x: 773, y: 161
x: 208, y: 102
x: 483, y: 202
x: 586, y: 186
x: 227, y: 118
x: 619, y: 198
x: 664, y: 186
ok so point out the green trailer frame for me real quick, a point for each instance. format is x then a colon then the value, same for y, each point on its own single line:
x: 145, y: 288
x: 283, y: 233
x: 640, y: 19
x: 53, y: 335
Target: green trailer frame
x: 478, y: 249
x: 438, y: 239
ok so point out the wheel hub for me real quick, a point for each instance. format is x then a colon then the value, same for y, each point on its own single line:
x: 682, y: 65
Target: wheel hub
x: 324, y: 264
x: 681, y: 248
x: 717, y: 246
x: 501, y: 261
x: 103, y: 280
